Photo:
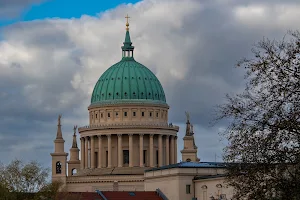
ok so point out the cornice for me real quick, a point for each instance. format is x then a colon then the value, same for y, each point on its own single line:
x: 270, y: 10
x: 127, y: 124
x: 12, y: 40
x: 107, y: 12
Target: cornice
x: 129, y: 126
x: 169, y: 175
x: 208, y: 179
x: 59, y: 154
x: 105, y: 179
x: 188, y: 151
x: 131, y: 102
x: 73, y: 162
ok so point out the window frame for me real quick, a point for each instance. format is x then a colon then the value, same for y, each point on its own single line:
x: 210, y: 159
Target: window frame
x: 188, y: 189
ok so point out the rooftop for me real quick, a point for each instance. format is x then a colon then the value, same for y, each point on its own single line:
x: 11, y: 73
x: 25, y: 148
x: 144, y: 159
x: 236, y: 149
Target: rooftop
x: 190, y: 165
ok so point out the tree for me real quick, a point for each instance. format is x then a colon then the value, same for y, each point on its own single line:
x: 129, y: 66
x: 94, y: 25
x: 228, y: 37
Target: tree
x: 263, y: 151
x: 20, y: 177
x: 26, y: 181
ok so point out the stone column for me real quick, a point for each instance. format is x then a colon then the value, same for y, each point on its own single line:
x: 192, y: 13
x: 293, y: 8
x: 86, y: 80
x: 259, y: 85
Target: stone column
x: 167, y: 150
x: 120, y: 151
x: 82, y: 152
x: 109, y: 151
x: 172, y: 150
x: 175, y: 149
x: 100, y: 151
x: 160, y: 151
x: 151, y: 150
x: 130, y: 150
x: 92, y: 152
x: 141, y: 150
x: 86, y: 151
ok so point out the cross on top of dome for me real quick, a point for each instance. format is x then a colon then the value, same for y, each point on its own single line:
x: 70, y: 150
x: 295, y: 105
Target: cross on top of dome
x: 127, y: 23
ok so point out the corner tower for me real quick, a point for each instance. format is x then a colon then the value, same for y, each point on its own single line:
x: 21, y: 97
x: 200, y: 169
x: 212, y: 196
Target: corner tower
x: 189, y: 152
x: 59, y: 157
x: 74, y: 162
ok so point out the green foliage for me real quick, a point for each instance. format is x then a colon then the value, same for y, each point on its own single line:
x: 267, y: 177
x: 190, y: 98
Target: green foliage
x: 26, y: 181
x: 264, y: 129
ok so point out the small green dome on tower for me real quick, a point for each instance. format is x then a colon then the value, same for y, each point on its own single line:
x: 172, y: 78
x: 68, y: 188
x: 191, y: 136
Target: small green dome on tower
x: 128, y: 81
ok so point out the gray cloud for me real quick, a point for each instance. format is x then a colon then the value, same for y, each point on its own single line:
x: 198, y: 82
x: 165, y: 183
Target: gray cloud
x: 50, y: 66
x: 10, y: 9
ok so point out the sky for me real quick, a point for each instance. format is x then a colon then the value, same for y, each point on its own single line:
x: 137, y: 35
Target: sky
x: 53, y: 52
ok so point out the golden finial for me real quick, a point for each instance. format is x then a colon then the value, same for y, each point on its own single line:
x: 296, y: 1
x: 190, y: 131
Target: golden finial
x: 127, y: 23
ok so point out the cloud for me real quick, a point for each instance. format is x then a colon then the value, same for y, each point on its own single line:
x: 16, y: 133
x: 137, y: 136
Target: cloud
x: 10, y: 9
x: 50, y: 66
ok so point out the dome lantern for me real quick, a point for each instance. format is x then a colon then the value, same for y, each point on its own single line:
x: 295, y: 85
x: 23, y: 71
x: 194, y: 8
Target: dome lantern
x: 127, y: 49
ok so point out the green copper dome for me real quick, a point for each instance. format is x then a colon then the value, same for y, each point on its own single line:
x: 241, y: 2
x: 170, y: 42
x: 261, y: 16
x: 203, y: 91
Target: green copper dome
x: 128, y: 81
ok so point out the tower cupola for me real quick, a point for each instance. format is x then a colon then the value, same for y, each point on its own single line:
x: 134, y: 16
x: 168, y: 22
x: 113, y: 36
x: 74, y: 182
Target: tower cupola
x: 59, y: 157
x: 127, y: 48
x: 74, y: 162
x: 189, y: 152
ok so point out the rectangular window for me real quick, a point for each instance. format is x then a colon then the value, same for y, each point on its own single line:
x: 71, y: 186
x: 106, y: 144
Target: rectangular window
x: 96, y: 158
x: 150, y: 114
x: 108, y: 115
x: 134, y: 114
x: 188, y: 189
x: 101, y: 115
x: 204, y: 195
x: 117, y: 114
x: 157, y: 114
x: 125, y: 114
x: 125, y: 156
x: 143, y: 114
x: 145, y: 156
x: 106, y: 158
x: 96, y: 116
x: 157, y: 157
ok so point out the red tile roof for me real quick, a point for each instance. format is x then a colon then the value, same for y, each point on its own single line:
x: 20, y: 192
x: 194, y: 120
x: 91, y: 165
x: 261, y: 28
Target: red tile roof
x: 112, y: 195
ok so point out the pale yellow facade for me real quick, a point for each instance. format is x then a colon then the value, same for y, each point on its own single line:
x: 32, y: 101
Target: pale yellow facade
x: 182, y: 183
x: 187, y: 180
x: 213, y: 187
x: 131, y: 146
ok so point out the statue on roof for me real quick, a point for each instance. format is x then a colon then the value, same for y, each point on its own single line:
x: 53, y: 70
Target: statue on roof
x: 187, y: 114
x: 188, y: 125
x: 59, y: 117
x: 74, y: 143
x: 75, y: 128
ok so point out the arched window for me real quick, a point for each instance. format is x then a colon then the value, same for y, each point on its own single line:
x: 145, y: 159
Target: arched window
x: 58, y: 167
x: 204, y: 187
x: 188, y: 160
x: 74, y: 171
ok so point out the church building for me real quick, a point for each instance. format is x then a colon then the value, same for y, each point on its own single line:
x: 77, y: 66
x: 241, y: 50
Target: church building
x: 129, y: 144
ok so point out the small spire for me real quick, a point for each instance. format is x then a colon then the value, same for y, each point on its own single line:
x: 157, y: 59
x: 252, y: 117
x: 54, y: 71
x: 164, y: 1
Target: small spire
x: 127, y: 23
x: 74, y: 144
x: 59, y: 133
x: 127, y: 48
